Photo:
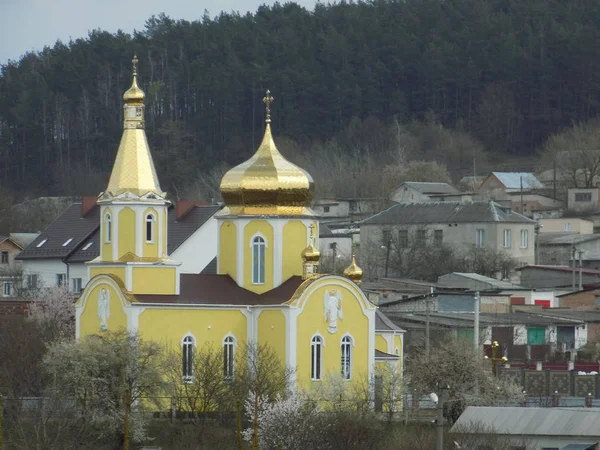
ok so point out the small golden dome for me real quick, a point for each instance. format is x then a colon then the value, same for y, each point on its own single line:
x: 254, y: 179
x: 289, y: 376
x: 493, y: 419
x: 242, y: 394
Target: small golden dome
x: 268, y: 183
x: 134, y: 95
x: 310, y: 253
x: 354, y: 272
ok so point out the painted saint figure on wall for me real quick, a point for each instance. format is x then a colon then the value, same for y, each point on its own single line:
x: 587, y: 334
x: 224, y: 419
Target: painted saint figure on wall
x: 333, y: 309
x: 103, y: 309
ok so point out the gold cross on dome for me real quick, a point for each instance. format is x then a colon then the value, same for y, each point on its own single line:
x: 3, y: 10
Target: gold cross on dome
x: 312, y: 231
x: 134, y: 63
x: 267, y: 100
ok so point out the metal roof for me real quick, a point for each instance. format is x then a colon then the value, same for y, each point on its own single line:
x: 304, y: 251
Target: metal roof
x: 446, y: 212
x: 565, y: 238
x: 578, y: 422
x: 383, y: 323
x: 512, y: 180
x: 494, y: 284
x: 430, y: 187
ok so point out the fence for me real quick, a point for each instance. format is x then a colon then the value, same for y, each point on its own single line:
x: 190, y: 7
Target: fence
x: 544, y: 383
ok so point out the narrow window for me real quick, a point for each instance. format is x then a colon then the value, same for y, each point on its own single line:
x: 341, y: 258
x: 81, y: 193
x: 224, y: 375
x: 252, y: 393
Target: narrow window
x: 108, y: 226
x: 421, y: 238
x: 479, y: 238
x: 568, y: 226
x: 32, y: 281
x: 4, y: 257
x: 506, y: 238
x: 7, y: 289
x: 438, y: 237
x: 346, y: 357
x: 524, y: 238
x: 315, y: 354
x: 187, y: 354
x: 150, y: 222
x: 403, y: 238
x: 61, y: 278
x: 228, y: 357
x: 76, y: 285
x: 258, y: 260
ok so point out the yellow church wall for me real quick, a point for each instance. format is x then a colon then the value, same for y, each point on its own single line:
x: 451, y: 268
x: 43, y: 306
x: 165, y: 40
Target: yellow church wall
x: 271, y: 331
x: 294, y: 239
x: 103, y: 270
x: 168, y: 326
x: 154, y: 280
x: 126, y: 231
x: 311, y: 321
x: 263, y: 227
x: 150, y: 249
x: 89, y: 321
x: 106, y: 246
x: 381, y: 344
x: 227, y: 249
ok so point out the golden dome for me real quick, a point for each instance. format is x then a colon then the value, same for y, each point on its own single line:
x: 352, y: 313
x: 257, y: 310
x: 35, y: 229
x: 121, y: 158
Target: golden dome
x: 310, y: 253
x: 354, y: 272
x: 134, y: 95
x: 268, y: 183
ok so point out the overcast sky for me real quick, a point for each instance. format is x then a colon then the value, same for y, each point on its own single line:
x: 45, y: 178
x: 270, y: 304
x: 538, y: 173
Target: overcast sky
x: 31, y: 24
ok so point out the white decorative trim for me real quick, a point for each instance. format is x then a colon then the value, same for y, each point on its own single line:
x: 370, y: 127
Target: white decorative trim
x: 154, y: 227
x: 352, y: 340
x: 189, y: 334
x: 115, y: 235
x: 240, y: 250
x: 260, y: 235
x: 317, y: 334
x: 129, y: 277
x: 133, y: 318
x: 219, y: 225
x: 177, y: 280
x: 248, y: 313
x: 78, y: 313
x: 231, y: 335
x: 139, y: 226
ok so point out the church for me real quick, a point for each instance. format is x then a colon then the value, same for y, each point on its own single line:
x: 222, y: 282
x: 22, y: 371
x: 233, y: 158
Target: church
x: 268, y: 288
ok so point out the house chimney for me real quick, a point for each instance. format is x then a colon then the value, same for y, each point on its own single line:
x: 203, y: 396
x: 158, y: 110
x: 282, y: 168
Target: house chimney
x: 183, y: 207
x: 88, y: 202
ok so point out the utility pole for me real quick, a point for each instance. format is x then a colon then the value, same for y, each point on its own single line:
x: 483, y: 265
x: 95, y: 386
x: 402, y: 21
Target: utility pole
x: 427, y: 303
x: 387, y: 256
x: 580, y: 269
x: 334, y: 248
x: 522, y: 194
x: 439, y: 441
x: 574, y: 264
x: 476, y: 320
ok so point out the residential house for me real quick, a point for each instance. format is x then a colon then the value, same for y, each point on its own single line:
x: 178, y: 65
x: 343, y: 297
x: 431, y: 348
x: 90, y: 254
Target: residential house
x: 549, y: 276
x: 561, y: 248
x: 347, y: 210
x: 481, y: 224
x: 471, y: 183
x: 540, y: 428
x: 583, y: 199
x: 418, y: 192
x: 58, y: 256
x: 10, y: 269
x: 583, y: 300
x: 566, y: 225
x: 335, y: 247
x: 500, y: 183
x: 384, y: 290
x: 531, y: 203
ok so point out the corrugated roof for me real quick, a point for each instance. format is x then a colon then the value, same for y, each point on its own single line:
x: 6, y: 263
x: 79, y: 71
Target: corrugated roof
x: 446, y: 212
x: 577, y: 422
x: 69, y: 225
x: 494, y: 284
x: 565, y: 238
x: 512, y: 180
x: 431, y: 187
x: 558, y: 269
x: 383, y: 323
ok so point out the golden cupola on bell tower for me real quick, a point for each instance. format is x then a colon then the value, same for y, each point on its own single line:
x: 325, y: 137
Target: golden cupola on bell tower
x: 266, y: 222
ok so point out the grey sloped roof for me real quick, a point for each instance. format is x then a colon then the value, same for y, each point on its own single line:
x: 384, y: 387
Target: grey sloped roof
x: 382, y: 323
x: 563, y: 238
x: 512, y: 180
x: 431, y: 187
x: 494, y: 284
x: 446, y: 212
x: 578, y: 422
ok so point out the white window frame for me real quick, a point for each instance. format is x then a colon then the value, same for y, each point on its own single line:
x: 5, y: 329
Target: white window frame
x: 30, y: 277
x: 188, y: 345
x: 346, y: 344
x: 317, y: 343
x: 480, y: 238
x: 568, y: 226
x: 258, y: 243
x: 108, y: 227
x: 88, y: 245
x: 229, y: 345
x: 507, y: 238
x: 77, y: 285
x: 150, y: 219
x: 524, y: 238
x: 7, y: 289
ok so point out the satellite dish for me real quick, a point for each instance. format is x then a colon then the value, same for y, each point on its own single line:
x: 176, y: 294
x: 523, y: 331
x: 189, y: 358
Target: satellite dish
x: 434, y: 398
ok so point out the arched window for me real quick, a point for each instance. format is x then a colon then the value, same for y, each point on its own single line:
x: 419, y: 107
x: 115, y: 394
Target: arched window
x: 228, y: 357
x: 346, y: 357
x: 258, y: 260
x: 187, y: 353
x: 150, y: 224
x: 316, y: 354
x: 108, y: 226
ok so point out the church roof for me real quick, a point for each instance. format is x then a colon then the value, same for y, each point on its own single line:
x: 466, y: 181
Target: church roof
x: 383, y: 323
x: 202, y: 289
x: 383, y: 355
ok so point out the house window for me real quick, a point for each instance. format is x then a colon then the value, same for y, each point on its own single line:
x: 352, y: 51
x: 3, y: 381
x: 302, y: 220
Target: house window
x: 41, y: 243
x: 32, y: 281
x: 61, y: 279
x: 4, y: 257
x: 76, y: 285
x: 568, y: 226
x: 325, y: 208
x: 583, y: 196
x: 465, y: 334
x: 228, y: 357
x: 524, y: 238
x: 258, y: 260
x: 88, y: 245
x: 438, y: 237
x: 403, y: 238
x: 421, y: 238
x: 187, y: 359
x: 480, y: 238
x: 150, y: 223
x: 506, y: 238
x: 536, y: 336
x: 346, y: 357
x: 316, y: 351
x: 108, y: 226
x: 7, y: 289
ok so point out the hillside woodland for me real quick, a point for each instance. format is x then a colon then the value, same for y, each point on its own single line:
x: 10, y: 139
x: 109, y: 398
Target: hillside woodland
x: 362, y: 89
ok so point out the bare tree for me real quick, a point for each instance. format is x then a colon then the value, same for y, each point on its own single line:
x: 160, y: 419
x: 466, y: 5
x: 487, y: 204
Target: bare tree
x: 53, y: 310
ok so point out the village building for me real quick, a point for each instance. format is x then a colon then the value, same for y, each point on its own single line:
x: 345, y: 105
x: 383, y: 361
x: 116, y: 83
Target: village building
x: 267, y: 288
